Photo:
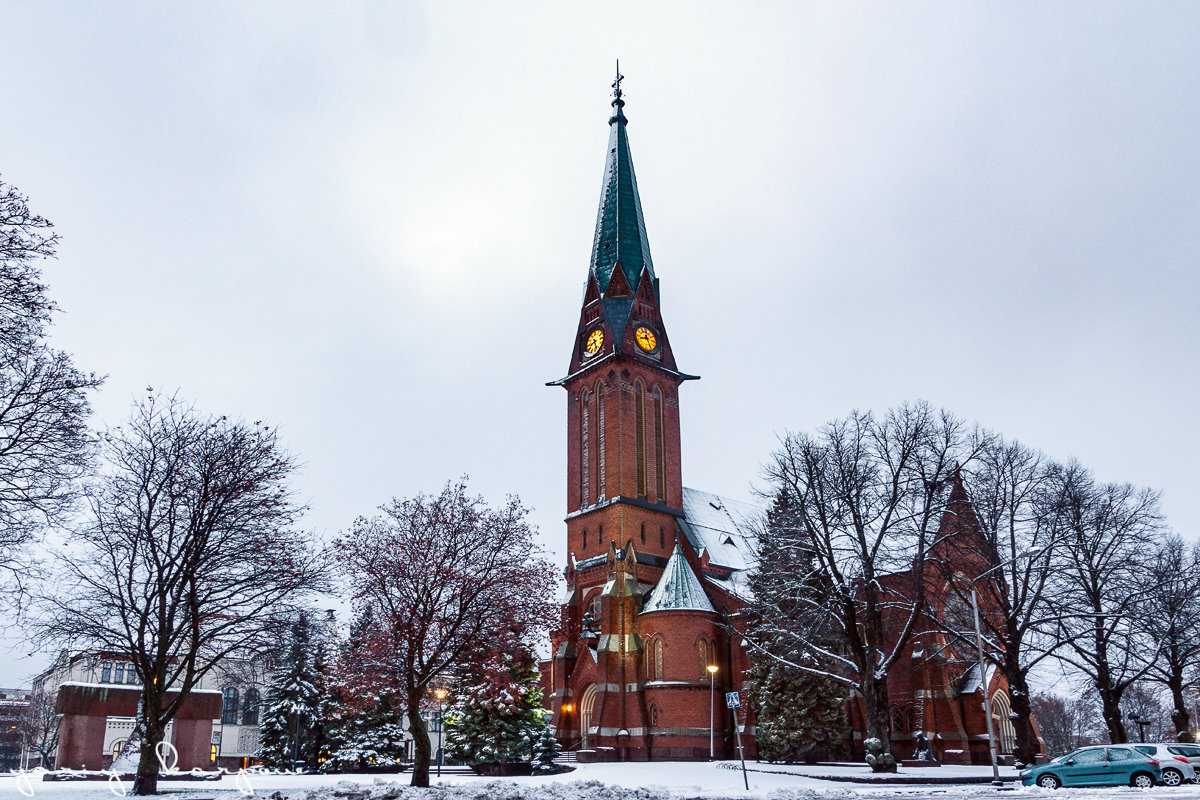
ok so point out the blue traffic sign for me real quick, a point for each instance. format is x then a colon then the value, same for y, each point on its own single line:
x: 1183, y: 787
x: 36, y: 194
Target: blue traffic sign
x: 732, y: 700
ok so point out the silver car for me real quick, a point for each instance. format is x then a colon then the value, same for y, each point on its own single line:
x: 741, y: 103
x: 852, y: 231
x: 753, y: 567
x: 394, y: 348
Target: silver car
x: 1171, y: 756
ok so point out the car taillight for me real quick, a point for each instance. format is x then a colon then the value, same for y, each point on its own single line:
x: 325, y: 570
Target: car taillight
x: 1181, y: 758
x: 1153, y: 761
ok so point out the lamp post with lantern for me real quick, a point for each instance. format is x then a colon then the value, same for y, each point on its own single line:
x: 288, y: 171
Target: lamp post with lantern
x: 712, y: 699
x: 440, y: 693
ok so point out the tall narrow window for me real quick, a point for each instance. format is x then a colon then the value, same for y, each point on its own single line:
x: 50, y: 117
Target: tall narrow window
x: 119, y: 672
x: 585, y: 539
x: 250, y: 708
x: 639, y: 412
x: 229, y: 706
x: 703, y: 649
x: 600, y: 442
x: 105, y: 672
x: 584, y: 451
x: 660, y: 451
x: 653, y: 715
x: 643, y: 533
x: 658, y: 659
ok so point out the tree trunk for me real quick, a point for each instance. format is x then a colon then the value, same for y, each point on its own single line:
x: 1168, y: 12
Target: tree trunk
x: 421, y: 746
x: 1110, y: 707
x: 1179, y: 716
x: 145, y: 782
x: 1026, y: 746
x: 875, y: 707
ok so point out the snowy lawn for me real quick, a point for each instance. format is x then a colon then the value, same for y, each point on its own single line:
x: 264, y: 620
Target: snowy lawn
x: 635, y: 781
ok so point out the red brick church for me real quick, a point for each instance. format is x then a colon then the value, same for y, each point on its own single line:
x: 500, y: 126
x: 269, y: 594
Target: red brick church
x: 642, y: 660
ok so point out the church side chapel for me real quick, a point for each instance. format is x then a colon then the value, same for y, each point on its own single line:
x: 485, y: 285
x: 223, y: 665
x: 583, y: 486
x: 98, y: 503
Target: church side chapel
x: 656, y: 573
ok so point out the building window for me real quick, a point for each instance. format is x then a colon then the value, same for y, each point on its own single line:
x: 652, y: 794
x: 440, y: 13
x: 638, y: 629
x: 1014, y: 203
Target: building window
x: 585, y: 539
x: 600, y: 441
x: 594, y: 607
x: 643, y: 533
x: 119, y: 672
x: 653, y: 715
x: 660, y: 457
x: 105, y: 672
x: 250, y: 707
x: 658, y: 660
x: 639, y: 412
x: 130, y: 674
x: 229, y: 706
x: 662, y: 538
x: 703, y: 650
x: 584, y: 450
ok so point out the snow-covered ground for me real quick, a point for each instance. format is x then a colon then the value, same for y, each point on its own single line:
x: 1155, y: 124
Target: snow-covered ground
x: 652, y: 781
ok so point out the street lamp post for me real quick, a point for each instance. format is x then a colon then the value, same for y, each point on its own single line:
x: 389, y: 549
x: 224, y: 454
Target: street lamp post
x: 712, y: 699
x: 441, y: 696
x: 1141, y: 723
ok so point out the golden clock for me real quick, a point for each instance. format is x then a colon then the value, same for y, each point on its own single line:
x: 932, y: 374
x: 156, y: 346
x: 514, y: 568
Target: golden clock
x: 645, y: 339
x: 595, y: 341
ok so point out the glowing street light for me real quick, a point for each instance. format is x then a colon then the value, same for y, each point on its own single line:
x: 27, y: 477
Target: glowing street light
x: 441, y: 693
x: 712, y: 698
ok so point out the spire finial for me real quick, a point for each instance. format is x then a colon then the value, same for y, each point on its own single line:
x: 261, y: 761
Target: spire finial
x: 617, y: 94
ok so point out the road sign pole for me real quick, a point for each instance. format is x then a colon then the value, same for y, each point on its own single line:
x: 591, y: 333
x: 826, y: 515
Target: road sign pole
x: 733, y: 701
x: 741, y: 753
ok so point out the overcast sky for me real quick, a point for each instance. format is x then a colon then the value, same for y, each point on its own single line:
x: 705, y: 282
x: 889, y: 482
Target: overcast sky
x: 369, y: 223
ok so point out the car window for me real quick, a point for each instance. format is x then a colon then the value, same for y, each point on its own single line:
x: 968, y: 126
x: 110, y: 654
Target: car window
x: 1190, y: 752
x: 1147, y: 750
x: 1121, y: 754
x: 1090, y: 756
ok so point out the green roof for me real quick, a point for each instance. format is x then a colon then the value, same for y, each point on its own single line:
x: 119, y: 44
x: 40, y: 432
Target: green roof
x: 620, y: 228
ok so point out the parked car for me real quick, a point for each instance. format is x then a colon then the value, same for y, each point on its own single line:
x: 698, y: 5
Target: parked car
x: 1111, y: 765
x: 1176, y: 766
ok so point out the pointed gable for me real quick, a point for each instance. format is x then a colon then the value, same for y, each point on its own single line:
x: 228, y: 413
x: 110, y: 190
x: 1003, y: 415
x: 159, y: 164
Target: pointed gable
x: 678, y: 589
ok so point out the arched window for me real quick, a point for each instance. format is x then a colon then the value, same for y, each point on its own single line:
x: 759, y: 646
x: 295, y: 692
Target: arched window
x: 229, y: 706
x: 660, y: 451
x: 584, y: 450
x: 896, y: 717
x: 702, y: 647
x: 639, y: 413
x: 653, y: 715
x: 658, y: 659
x: 250, y: 707
x: 600, y: 441
x: 594, y: 606
x: 1006, y: 734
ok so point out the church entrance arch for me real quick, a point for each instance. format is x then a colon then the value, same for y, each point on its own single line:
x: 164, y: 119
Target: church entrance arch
x: 1006, y: 734
x: 587, y: 711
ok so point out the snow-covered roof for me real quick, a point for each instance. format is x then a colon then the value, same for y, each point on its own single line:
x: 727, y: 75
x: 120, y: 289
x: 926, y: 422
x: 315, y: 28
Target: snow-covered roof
x: 724, y: 527
x: 678, y: 589
x: 970, y: 680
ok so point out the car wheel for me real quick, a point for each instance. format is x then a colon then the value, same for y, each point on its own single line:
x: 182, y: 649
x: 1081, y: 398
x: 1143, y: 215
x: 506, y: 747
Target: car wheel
x: 1049, y: 781
x: 1172, y: 777
x: 1142, y: 780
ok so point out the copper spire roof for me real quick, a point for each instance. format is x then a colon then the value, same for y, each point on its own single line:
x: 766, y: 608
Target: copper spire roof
x: 678, y: 589
x: 620, y: 239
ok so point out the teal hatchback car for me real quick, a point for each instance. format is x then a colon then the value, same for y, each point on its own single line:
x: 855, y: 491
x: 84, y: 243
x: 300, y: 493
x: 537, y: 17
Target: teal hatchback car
x: 1111, y: 765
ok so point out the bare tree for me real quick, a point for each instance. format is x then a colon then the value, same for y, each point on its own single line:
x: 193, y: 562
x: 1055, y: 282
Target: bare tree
x: 189, y: 556
x: 1172, y: 617
x: 39, y: 728
x: 1005, y: 534
x: 440, y: 574
x: 1102, y: 569
x: 866, y: 497
x: 44, y: 440
x: 1066, y: 723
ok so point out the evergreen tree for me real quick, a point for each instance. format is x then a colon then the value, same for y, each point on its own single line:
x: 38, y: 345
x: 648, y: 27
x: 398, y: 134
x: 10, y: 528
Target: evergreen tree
x: 499, y: 713
x: 292, y: 720
x: 546, y: 753
x: 796, y: 710
x: 363, y: 724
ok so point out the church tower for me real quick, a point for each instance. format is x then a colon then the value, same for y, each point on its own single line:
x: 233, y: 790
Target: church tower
x: 628, y: 675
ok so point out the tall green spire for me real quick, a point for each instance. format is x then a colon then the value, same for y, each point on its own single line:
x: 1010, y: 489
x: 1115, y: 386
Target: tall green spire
x: 620, y: 229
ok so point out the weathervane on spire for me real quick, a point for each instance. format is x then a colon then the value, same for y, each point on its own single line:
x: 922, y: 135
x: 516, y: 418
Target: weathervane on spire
x: 617, y: 102
x: 617, y: 83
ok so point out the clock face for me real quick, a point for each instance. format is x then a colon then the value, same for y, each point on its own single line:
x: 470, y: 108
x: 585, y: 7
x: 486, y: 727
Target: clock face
x: 595, y: 341
x: 645, y: 339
